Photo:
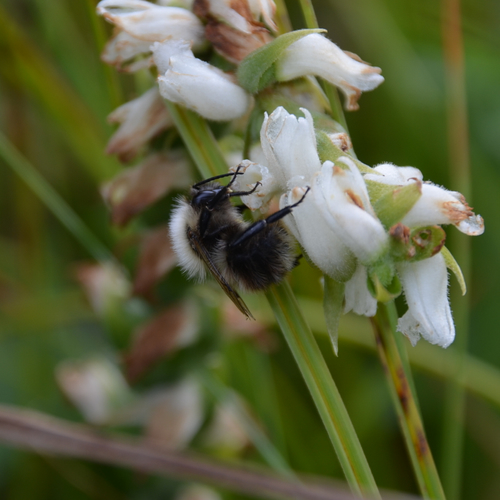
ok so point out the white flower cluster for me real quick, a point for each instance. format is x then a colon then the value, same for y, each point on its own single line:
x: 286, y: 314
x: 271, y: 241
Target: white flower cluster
x: 341, y: 232
x: 150, y: 34
x: 349, y: 224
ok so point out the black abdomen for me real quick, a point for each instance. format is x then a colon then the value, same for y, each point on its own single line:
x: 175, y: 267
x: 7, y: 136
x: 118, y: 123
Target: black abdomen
x: 262, y: 260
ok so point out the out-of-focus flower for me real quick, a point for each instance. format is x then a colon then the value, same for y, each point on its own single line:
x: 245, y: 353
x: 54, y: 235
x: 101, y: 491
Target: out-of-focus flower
x: 96, y: 387
x: 156, y: 259
x: 232, y: 26
x: 196, y: 84
x: 425, y: 284
x: 170, y: 330
x: 436, y: 205
x: 152, y: 23
x: 134, y: 189
x: 175, y: 414
x: 104, y: 284
x: 316, y: 55
x: 197, y: 492
x: 140, y: 120
x: 122, y: 50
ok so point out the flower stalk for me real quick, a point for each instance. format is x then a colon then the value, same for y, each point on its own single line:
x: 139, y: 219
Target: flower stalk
x: 404, y: 400
x: 323, y: 390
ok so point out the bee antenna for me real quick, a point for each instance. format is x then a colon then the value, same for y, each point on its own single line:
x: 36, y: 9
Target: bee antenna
x: 210, y: 179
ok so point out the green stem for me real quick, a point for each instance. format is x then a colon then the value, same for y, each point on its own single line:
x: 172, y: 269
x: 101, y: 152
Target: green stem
x: 52, y: 200
x: 404, y: 400
x: 199, y: 141
x: 323, y: 390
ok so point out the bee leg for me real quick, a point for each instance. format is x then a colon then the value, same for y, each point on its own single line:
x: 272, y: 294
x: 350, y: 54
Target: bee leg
x: 245, y: 193
x: 260, y: 225
x: 297, y: 260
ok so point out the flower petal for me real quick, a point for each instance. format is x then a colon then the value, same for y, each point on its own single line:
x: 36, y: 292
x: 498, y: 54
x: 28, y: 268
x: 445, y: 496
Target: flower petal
x: 425, y: 284
x: 342, y: 199
x: 322, y: 245
x: 357, y: 296
x: 289, y: 145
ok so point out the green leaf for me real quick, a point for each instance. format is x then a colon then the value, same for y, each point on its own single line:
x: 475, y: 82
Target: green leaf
x: 393, y: 204
x: 333, y: 298
x: 453, y: 266
x: 256, y: 71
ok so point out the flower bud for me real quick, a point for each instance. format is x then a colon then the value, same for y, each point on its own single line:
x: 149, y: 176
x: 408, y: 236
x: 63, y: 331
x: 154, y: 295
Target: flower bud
x: 196, y: 84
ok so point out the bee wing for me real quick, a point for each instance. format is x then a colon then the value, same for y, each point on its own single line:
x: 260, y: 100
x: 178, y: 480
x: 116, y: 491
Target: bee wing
x: 228, y: 289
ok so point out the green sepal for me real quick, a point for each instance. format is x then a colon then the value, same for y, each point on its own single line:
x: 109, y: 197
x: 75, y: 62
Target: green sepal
x: 419, y: 244
x: 257, y: 70
x: 453, y: 266
x: 392, y: 204
x: 383, y: 282
x: 333, y: 299
x: 327, y: 151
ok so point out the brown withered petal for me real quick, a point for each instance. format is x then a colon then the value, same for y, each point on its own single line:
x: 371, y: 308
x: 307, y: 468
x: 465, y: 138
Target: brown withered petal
x: 134, y: 189
x: 140, y: 120
x: 156, y: 259
x: 170, y: 330
x: 234, y: 44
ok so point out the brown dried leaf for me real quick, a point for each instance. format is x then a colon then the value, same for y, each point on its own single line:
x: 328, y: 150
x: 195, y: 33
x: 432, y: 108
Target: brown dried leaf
x: 168, y: 331
x: 156, y: 259
x: 134, y: 189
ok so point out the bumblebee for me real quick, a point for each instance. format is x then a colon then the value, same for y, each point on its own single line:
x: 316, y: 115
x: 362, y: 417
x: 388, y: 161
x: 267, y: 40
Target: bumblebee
x: 209, y: 233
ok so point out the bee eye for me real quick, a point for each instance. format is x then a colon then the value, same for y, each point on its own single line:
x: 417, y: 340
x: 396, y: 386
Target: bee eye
x: 203, y: 197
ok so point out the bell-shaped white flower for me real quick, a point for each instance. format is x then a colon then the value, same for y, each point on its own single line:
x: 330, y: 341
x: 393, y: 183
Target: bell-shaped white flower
x: 152, y: 23
x: 316, y: 55
x: 436, y: 205
x: 425, y: 284
x: 342, y: 198
x: 323, y: 247
x: 289, y: 145
x: 357, y: 296
x: 140, y: 120
x: 196, y: 84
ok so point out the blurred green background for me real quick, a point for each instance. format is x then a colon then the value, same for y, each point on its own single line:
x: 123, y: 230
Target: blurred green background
x: 55, y: 95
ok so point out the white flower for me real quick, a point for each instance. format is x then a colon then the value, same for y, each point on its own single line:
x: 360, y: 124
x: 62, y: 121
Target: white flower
x: 357, y: 296
x: 289, y: 145
x: 152, y: 23
x: 316, y: 55
x: 341, y: 197
x: 425, y: 284
x: 140, y: 120
x: 325, y: 249
x: 436, y: 205
x: 196, y: 84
